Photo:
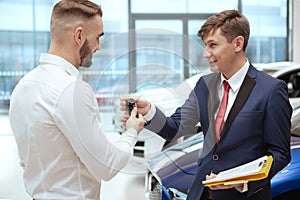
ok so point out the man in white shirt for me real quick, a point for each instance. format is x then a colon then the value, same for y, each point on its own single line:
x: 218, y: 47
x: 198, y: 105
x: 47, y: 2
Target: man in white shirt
x: 55, y: 118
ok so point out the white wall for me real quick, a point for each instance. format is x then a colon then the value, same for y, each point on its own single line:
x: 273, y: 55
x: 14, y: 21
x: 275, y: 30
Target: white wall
x: 296, y: 31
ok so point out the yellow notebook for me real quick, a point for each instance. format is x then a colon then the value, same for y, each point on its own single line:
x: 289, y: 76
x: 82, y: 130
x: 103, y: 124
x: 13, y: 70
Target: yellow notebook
x: 252, y: 171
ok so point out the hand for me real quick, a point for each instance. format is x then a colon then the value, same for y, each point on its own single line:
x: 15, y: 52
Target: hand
x: 221, y: 186
x: 134, y: 122
x: 143, y: 105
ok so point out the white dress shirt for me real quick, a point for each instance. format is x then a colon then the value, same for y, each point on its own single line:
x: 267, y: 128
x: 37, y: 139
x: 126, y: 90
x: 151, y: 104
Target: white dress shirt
x: 55, y: 119
x: 235, y: 83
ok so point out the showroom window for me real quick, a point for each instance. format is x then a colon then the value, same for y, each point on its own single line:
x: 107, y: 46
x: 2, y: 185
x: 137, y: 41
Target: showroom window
x: 147, y: 44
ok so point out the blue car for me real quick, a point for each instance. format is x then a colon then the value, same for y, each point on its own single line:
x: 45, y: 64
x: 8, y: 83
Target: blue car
x: 171, y: 172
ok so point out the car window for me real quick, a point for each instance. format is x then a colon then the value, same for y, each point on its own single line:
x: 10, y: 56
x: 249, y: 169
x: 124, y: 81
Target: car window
x: 295, y: 128
x: 292, y: 79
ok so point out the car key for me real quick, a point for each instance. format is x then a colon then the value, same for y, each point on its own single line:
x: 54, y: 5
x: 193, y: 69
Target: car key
x: 130, y: 104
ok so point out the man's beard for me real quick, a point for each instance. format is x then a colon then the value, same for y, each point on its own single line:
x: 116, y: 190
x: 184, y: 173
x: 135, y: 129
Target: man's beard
x: 85, y: 54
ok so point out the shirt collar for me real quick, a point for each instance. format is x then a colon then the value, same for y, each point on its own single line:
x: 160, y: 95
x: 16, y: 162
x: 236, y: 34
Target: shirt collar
x: 237, y: 79
x: 47, y: 58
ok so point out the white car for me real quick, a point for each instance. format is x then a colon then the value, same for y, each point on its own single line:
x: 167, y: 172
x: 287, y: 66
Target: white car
x: 273, y: 67
x: 287, y: 71
x: 291, y: 75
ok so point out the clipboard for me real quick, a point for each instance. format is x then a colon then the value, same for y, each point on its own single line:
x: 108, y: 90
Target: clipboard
x: 252, y: 171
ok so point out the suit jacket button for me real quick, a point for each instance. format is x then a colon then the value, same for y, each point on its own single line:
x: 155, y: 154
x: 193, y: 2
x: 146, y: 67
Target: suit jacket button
x: 215, y: 157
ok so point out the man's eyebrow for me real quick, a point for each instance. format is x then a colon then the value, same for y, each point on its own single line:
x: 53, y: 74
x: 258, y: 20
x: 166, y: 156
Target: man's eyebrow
x: 209, y: 41
x: 101, y: 34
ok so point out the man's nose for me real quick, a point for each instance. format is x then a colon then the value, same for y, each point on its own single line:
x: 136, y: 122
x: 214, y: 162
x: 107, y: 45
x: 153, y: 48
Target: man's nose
x: 97, y: 48
x: 206, y: 54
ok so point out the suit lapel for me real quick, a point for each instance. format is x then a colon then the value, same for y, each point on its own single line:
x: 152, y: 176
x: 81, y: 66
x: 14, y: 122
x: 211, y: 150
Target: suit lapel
x: 213, y: 99
x: 241, y: 98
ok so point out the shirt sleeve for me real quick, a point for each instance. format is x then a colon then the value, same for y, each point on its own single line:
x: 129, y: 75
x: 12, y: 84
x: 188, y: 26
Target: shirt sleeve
x: 150, y: 114
x: 243, y: 188
x: 77, y: 116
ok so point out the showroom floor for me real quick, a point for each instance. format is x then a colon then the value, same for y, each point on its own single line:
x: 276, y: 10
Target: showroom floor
x: 127, y: 185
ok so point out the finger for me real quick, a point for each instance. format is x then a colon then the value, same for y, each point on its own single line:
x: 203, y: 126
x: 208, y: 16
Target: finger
x: 125, y: 116
x: 217, y: 187
x: 123, y: 101
x: 124, y: 119
x: 140, y: 116
x: 123, y: 108
x: 141, y: 121
x: 133, y: 112
x: 210, y: 176
x: 222, y: 187
x: 122, y: 98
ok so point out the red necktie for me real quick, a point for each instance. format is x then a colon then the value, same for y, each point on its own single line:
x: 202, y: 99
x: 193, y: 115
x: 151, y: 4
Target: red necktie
x: 221, y: 112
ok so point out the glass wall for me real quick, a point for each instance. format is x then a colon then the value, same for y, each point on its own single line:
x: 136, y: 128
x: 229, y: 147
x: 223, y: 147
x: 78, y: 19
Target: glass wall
x: 24, y: 33
x: 147, y: 44
x: 181, y: 6
x: 268, y: 41
x: 268, y: 21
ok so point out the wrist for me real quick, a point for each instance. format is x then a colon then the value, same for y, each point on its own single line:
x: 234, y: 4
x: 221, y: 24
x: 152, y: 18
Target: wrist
x: 151, y: 110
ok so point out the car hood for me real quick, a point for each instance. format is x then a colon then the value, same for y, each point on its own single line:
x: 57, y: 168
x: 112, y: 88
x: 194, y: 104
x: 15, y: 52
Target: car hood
x: 288, y: 178
x: 172, y: 164
x: 176, y: 165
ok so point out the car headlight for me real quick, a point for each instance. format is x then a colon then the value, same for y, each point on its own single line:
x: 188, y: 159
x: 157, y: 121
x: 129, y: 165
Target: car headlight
x: 153, y: 188
x: 177, y: 194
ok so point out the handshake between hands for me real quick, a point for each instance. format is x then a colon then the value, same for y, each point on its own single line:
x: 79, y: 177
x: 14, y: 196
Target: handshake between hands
x: 135, y: 119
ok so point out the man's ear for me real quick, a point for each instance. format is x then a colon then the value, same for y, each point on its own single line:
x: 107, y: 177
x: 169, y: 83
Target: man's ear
x: 238, y: 43
x: 78, y: 35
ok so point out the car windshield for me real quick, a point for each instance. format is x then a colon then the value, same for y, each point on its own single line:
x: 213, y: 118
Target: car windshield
x: 295, y: 129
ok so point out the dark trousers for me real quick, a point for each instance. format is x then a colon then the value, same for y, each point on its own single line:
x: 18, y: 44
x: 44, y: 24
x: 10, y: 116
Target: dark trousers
x: 206, y: 195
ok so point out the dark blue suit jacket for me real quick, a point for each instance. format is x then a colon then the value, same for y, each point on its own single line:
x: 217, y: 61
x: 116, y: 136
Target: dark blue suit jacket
x: 258, y: 124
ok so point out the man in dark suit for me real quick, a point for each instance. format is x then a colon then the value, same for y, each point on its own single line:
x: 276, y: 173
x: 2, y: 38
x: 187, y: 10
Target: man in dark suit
x: 253, y: 121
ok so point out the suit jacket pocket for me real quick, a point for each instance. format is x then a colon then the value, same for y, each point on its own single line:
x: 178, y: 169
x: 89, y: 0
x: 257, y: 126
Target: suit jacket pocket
x: 250, y: 114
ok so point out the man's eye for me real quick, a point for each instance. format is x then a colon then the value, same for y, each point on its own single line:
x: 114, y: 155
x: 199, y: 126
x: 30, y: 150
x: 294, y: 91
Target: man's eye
x: 212, y: 45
